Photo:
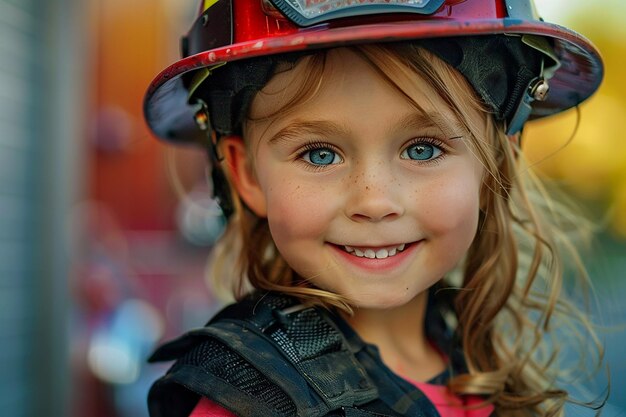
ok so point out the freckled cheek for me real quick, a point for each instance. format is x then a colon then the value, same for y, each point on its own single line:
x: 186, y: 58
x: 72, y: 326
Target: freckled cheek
x: 451, y: 206
x: 297, y: 210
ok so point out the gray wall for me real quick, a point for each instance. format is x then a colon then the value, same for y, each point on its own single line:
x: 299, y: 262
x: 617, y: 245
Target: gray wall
x: 41, y: 72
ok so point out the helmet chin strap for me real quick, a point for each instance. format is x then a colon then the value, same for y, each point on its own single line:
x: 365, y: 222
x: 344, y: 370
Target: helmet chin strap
x: 537, y: 90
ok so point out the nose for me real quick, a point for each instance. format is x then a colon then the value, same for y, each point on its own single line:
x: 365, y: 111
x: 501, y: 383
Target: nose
x: 374, y: 197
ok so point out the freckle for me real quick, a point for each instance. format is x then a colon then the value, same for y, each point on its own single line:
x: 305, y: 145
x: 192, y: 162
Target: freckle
x: 367, y: 187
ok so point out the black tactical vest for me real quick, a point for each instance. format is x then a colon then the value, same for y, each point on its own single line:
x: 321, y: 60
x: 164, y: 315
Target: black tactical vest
x: 270, y: 356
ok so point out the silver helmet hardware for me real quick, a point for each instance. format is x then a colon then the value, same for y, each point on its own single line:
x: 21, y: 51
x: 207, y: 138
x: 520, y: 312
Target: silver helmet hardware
x: 539, y: 89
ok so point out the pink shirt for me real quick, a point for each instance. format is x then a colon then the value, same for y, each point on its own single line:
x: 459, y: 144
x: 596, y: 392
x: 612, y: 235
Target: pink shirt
x: 447, y: 404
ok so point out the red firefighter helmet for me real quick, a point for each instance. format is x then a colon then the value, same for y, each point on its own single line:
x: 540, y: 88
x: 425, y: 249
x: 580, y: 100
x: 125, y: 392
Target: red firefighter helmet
x: 234, y: 30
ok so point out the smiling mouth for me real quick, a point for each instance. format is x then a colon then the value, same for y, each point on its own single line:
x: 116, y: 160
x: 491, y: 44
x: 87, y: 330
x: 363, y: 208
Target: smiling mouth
x: 374, y: 253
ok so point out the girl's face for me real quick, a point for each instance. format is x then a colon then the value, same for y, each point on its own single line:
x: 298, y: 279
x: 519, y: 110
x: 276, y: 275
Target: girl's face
x: 365, y: 196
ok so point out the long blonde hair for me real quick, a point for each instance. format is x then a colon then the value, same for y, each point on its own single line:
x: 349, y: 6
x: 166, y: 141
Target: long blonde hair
x: 508, y: 296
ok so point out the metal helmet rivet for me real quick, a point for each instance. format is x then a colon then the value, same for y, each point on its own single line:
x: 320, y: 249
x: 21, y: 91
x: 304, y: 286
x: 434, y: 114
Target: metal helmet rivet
x: 539, y: 89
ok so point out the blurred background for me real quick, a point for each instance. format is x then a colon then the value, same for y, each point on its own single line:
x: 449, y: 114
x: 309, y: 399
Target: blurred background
x: 103, y: 250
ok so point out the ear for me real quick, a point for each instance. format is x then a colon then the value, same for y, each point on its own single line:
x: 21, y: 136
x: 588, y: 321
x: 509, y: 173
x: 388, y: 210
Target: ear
x: 240, y: 172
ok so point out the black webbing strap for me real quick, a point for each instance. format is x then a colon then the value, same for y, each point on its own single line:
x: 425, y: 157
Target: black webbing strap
x: 309, y: 340
x: 287, y: 358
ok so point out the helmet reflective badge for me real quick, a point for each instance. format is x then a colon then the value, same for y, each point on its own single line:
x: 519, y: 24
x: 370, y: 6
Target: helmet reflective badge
x: 307, y: 12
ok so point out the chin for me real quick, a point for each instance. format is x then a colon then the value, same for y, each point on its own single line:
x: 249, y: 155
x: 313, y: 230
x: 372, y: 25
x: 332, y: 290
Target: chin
x: 382, y: 302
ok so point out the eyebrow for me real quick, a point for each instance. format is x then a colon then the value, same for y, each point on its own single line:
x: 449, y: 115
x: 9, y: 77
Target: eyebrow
x: 315, y: 127
x: 449, y: 126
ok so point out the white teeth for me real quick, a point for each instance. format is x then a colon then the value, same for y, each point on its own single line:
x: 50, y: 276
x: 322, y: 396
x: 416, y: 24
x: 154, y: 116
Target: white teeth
x: 381, y: 253
x: 371, y: 253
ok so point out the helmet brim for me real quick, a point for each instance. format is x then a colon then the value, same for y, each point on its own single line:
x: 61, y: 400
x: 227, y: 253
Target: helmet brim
x: 171, y: 117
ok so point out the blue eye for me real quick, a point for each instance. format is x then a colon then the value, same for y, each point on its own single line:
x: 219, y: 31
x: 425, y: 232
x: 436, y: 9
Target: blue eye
x: 421, y: 151
x: 321, y: 156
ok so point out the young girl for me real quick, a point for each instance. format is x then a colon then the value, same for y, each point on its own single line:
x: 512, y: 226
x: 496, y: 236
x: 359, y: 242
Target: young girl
x: 390, y: 254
